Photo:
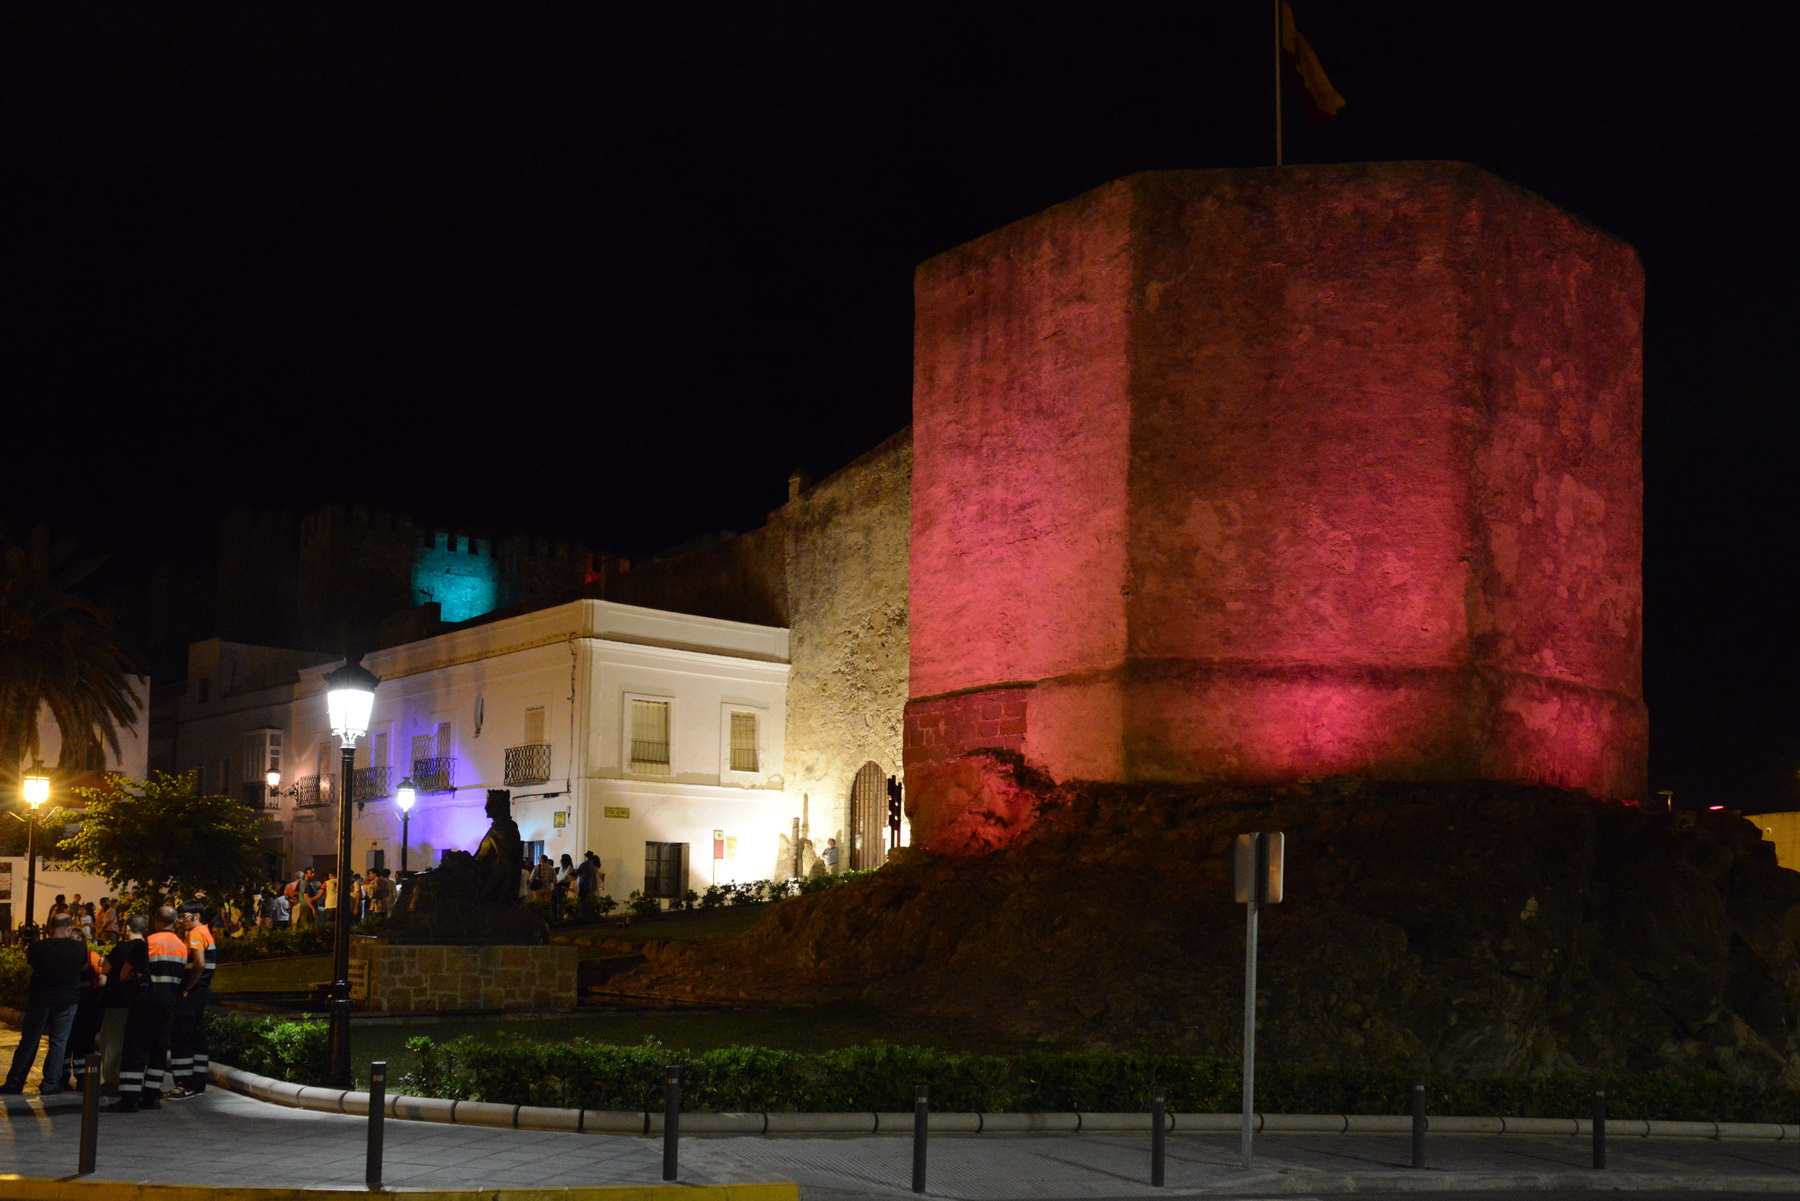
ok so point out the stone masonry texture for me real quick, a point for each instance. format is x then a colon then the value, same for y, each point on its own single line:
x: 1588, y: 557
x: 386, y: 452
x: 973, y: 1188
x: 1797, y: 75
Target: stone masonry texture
x: 1254, y: 476
x: 844, y: 546
x: 447, y: 979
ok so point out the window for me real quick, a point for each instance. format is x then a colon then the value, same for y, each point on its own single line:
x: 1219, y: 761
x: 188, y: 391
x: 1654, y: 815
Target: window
x: 328, y: 768
x: 262, y: 754
x: 534, y: 724
x: 378, y: 749
x: 650, y: 736
x: 665, y: 869
x: 743, y: 742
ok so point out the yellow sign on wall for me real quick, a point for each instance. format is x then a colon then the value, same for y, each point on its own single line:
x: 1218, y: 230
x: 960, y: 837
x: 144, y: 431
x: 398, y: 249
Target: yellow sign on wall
x: 560, y: 818
x: 617, y: 811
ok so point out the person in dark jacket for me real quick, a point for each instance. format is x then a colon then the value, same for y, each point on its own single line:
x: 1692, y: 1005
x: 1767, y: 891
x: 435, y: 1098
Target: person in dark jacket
x: 56, y: 963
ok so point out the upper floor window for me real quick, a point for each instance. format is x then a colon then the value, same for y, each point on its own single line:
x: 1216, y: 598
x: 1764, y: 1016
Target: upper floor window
x: 743, y: 742
x: 649, y: 736
x: 262, y: 754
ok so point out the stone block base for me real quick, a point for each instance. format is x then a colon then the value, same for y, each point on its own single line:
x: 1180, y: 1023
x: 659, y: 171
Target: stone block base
x: 391, y: 979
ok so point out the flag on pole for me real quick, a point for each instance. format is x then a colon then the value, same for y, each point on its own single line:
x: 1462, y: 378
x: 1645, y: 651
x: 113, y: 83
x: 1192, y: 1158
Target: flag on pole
x: 1325, y: 98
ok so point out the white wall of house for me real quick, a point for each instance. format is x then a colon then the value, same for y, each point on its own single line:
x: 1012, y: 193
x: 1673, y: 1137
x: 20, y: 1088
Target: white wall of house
x: 53, y: 877
x: 566, y: 675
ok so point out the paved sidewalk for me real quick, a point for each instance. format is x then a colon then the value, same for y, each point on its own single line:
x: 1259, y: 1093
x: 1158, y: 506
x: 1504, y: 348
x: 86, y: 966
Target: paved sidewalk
x: 226, y: 1139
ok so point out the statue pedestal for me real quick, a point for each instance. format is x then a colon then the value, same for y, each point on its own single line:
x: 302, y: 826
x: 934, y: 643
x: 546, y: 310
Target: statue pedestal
x: 460, y: 979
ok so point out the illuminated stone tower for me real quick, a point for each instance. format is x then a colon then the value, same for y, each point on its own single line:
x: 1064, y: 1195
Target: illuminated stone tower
x: 1258, y: 475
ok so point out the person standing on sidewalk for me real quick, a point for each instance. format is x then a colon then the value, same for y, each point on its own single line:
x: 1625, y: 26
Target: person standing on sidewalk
x: 187, y: 1043
x: 152, y: 1012
x: 116, y: 997
x: 89, y: 1011
x: 56, y: 963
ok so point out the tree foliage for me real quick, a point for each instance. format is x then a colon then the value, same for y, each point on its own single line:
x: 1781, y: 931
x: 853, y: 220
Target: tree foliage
x: 57, y: 652
x: 166, y: 836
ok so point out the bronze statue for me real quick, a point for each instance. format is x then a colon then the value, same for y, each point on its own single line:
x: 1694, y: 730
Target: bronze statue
x: 471, y: 900
x: 499, y: 858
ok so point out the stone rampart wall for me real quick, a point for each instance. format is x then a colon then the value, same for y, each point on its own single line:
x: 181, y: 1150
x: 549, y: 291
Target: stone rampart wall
x: 845, y: 543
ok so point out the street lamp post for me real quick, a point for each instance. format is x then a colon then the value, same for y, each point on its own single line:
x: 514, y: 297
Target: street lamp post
x: 404, y: 796
x: 349, y: 698
x: 37, y: 791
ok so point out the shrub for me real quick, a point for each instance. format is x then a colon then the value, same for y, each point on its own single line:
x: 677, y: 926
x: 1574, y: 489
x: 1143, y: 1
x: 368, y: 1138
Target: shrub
x: 15, y: 977
x: 289, y: 1050
x: 713, y: 897
x: 313, y: 939
x: 643, y: 906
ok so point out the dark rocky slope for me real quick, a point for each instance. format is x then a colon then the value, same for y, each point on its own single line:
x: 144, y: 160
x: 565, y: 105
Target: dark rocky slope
x: 1475, y: 930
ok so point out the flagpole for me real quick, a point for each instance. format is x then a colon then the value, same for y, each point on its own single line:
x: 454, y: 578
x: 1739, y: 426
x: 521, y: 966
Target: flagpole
x: 1278, y: 82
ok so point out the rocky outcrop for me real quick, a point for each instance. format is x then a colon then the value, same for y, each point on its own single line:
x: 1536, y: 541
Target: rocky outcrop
x: 1478, y: 930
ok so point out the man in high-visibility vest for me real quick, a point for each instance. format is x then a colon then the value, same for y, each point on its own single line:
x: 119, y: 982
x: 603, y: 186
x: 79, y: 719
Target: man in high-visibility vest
x: 152, y: 1011
x: 187, y: 1042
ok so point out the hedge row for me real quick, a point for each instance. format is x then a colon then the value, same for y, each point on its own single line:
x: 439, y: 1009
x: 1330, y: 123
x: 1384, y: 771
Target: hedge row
x: 582, y: 1074
x: 578, y: 1073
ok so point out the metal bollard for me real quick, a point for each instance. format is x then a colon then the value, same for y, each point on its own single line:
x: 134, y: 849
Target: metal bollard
x: 377, y: 1120
x: 1419, y: 1124
x: 671, y: 1122
x: 90, y: 1114
x: 1158, y: 1120
x: 1599, y: 1128
x: 921, y: 1120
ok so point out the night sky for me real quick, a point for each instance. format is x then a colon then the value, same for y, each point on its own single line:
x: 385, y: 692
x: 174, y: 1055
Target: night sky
x: 609, y: 272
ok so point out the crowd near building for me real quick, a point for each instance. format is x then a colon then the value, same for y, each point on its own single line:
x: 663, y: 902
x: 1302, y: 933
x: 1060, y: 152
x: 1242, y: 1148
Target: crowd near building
x: 720, y: 713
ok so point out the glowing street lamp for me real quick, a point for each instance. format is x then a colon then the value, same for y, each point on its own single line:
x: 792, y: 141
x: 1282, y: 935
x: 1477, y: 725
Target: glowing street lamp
x: 349, y: 699
x: 404, y: 796
x: 36, y: 791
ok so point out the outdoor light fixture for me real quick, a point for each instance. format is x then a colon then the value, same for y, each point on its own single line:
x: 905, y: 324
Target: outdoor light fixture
x: 36, y: 791
x: 404, y: 796
x: 349, y: 699
x: 37, y: 785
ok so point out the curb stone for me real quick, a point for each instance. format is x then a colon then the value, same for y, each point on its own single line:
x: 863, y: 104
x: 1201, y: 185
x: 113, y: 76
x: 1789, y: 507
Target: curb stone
x: 598, y: 1121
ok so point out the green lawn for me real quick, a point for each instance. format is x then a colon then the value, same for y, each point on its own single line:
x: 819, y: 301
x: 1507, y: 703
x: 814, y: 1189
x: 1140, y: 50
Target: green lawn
x: 698, y: 925
x: 787, y: 1029
x: 272, y: 975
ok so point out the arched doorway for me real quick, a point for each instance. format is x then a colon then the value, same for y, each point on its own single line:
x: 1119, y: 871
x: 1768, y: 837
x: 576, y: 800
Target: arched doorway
x: 868, y: 818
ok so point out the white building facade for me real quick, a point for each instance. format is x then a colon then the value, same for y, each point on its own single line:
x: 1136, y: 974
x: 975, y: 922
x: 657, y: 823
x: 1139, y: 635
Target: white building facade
x: 654, y: 739
x: 52, y: 876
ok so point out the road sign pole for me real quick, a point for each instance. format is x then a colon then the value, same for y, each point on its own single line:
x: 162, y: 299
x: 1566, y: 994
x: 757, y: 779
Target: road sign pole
x: 1249, y: 1026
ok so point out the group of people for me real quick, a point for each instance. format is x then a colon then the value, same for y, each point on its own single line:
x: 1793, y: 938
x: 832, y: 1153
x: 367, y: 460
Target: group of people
x: 560, y: 885
x: 306, y: 899
x: 142, y: 1005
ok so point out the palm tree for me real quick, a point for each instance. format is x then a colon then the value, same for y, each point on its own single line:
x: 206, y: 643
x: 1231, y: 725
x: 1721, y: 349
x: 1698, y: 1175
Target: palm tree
x: 57, y: 652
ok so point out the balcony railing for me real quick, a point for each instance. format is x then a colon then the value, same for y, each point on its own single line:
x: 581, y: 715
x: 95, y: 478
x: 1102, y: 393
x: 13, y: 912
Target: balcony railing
x: 312, y: 791
x: 367, y: 783
x: 434, y: 775
x: 255, y: 795
x: 528, y: 764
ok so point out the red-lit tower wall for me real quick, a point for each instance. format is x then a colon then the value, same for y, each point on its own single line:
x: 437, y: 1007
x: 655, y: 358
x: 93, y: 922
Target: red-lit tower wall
x: 1260, y: 475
